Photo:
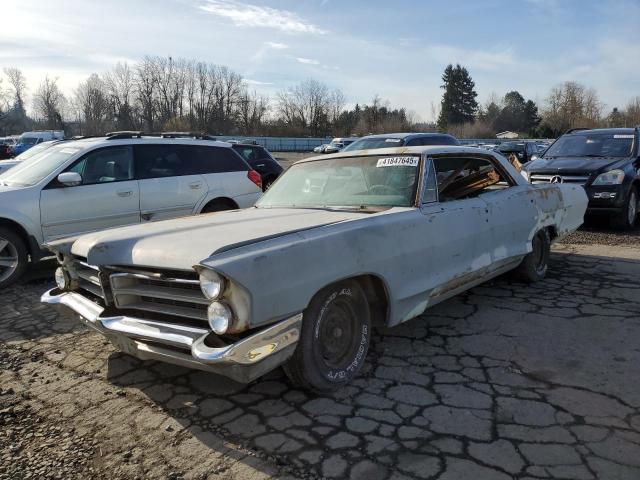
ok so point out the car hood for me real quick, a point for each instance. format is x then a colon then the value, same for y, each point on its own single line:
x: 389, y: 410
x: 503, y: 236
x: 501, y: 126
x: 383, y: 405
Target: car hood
x: 571, y: 164
x: 181, y: 243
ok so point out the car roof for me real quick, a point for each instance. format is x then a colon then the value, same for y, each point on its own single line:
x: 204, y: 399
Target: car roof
x: 408, y: 135
x: 433, y: 149
x: 627, y: 131
x: 105, y: 141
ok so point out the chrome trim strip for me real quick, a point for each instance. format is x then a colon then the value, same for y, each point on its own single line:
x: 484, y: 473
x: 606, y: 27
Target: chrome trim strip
x: 254, y: 348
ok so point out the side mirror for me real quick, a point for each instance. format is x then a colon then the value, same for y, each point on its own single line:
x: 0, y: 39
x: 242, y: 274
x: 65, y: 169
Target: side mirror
x: 70, y: 179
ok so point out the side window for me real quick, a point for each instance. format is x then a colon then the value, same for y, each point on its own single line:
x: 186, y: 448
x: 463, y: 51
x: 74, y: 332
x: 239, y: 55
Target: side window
x: 112, y: 164
x: 430, y: 194
x: 218, y: 160
x: 467, y: 177
x: 158, y: 161
x: 263, y: 154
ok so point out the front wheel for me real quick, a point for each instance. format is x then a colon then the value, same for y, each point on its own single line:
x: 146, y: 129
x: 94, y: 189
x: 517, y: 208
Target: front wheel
x: 534, y: 266
x: 626, y: 219
x: 335, y: 336
x: 13, y: 257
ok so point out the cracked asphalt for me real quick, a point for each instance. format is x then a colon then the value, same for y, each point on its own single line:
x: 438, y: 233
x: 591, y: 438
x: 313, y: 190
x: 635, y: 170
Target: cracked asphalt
x: 505, y: 381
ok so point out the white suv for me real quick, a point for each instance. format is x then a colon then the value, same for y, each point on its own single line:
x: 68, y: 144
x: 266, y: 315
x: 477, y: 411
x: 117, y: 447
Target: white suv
x: 127, y: 178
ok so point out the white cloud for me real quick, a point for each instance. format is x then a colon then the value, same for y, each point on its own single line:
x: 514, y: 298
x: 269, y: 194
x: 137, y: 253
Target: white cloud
x: 276, y: 45
x: 307, y: 61
x: 245, y: 15
x: 255, y: 82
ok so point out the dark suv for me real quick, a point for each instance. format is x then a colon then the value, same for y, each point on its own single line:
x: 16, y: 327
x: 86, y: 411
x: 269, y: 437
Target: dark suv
x: 401, y: 140
x: 261, y: 161
x: 605, y: 161
x: 523, y: 150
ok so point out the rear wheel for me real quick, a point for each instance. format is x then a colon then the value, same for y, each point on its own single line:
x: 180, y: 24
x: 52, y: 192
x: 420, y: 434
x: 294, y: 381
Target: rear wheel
x: 334, y: 340
x: 626, y: 219
x: 534, y: 266
x: 14, y: 257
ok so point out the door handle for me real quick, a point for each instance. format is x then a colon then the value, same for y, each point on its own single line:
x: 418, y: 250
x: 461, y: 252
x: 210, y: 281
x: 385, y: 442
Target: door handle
x: 195, y: 185
x: 125, y: 193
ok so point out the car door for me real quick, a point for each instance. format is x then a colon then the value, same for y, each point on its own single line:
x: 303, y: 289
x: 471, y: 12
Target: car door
x: 108, y: 196
x: 226, y: 174
x: 512, y: 210
x: 456, y: 232
x: 170, y: 185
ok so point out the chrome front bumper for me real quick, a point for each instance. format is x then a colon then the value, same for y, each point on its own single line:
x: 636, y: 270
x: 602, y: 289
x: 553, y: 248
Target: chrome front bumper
x: 243, y: 361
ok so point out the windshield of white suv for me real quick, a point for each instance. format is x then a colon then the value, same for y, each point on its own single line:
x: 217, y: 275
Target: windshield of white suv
x: 592, y: 145
x: 349, y: 182
x: 370, y: 143
x: 36, y: 168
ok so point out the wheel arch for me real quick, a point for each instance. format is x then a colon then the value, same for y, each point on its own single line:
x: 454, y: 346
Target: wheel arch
x: 32, y: 247
x: 377, y: 293
x: 223, y: 200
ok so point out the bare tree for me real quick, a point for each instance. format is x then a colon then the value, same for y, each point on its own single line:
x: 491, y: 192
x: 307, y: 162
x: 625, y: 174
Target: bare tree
x: 120, y: 87
x: 18, y: 83
x: 305, y: 107
x: 632, y: 112
x: 92, y: 103
x: 145, y: 91
x: 572, y: 105
x: 49, y: 103
x: 252, y: 109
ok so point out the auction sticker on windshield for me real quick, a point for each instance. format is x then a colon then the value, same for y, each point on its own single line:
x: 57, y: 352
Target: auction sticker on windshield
x: 398, y: 162
x: 623, y: 136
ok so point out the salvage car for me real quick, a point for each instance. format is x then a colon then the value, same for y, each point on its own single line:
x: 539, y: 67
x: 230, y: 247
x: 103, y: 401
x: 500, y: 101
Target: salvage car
x: 605, y: 161
x: 126, y: 178
x: 339, y: 243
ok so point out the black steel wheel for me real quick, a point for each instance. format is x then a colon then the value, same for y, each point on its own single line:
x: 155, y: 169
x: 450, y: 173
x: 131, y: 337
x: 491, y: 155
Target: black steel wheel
x: 334, y: 340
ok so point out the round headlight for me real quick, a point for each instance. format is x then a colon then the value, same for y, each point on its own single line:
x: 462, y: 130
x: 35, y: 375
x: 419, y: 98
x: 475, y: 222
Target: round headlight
x: 220, y: 317
x: 211, y: 283
x: 63, y: 281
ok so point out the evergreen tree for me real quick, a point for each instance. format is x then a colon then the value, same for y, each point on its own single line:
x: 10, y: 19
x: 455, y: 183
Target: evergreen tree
x: 531, y: 117
x: 459, y: 103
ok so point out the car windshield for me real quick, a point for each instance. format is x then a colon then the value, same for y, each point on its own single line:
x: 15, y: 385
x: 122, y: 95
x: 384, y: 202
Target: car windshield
x: 511, y: 147
x: 592, y: 145
x: 347, y: 182
x: 27, y: 140
x: 36, y: 168
x: 372, y: 143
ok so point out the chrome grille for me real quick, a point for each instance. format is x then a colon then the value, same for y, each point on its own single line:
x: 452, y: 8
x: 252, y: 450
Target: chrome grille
x: 89, y: 278
x: 539, y: 178
x: 180, y: 297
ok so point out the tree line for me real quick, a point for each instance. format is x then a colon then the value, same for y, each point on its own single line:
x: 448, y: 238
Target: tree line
x: 167, y: 94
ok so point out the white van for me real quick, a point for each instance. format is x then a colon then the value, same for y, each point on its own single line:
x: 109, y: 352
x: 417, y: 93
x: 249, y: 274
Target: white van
x: 339, y: 143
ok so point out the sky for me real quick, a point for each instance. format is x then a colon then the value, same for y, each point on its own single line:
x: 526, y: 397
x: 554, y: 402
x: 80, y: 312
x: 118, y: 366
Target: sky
x: 395, y: 49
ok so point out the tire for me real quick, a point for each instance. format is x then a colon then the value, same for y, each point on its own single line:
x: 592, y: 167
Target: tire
x: 217, y: 207
x: 14, y: 257
x: 534, y: 266
x: 335, y: 336
x: 626, y: 219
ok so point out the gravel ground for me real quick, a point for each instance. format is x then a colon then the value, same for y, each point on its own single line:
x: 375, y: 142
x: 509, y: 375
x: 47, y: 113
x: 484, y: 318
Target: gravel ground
x: 504, y: 381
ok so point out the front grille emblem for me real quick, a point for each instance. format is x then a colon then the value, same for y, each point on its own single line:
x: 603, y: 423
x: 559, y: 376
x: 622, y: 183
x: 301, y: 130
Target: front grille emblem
x: 556, y: 179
